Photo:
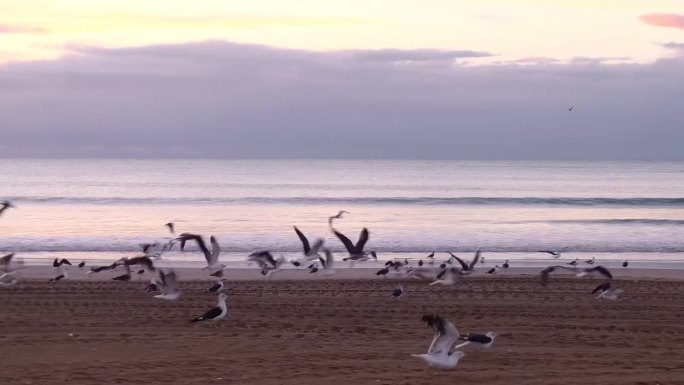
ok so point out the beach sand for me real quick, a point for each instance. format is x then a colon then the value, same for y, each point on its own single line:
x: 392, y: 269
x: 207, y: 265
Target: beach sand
x: 341, y: 332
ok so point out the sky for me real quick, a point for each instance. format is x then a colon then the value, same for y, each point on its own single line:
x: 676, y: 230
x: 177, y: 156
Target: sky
x: 430, y: 79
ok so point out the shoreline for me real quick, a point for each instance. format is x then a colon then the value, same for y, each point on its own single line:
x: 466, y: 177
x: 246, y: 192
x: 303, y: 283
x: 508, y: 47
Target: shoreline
x: 42, y: 272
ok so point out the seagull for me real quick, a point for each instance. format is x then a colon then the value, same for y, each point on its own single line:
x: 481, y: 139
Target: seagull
x: 263, y: 259
x: 211, y: 257
x: 482, y: 340
x: 216, y: 313
x: 505, y: 265
x: 81, y: 265
x: 398, y: 292
x: 6, y: 263
x: 144, y: 260
x: 171, y: 227
x: 572, y: 263
x: 169, y: 285
x: 607, y: 291
x: 482, y: 261
x: 555, y: 254
x: 58, y: 263
x: 310, y: 251
x: 152, y: 286
x: 382, y: 272
x: 467, y: 268
x: 446, y: 276
x: 590, y: 261
x: 493, y: 270
x: 328, y: 263
x: 625, y: 263
x: 268, y: 271
x: 126, y: 276
x: 338, y: 216
x: 571, y: 108
x: 216, y: 288
x: 446, y: 335
x: 420, y: 263
x: 62, y: 275
x: 8, y: 279
x: 356, y: 252
x: 98, y: 269
x: 4, y: 205
x: 580, y: 272
x: 313, y: 268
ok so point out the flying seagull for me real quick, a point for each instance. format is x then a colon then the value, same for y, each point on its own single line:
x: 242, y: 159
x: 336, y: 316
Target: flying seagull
x: 62, y: 275
x: 555, y: 254
x: 126, y: 276
x: 216, y: 313
x: 447, y: 276
x: 58, y: 263
x: 356, y: 252
x: 481, y: 340
x: 81, y: 265
x: 465, y: 267
x: 310, y: 251
x: 607, y: 291
x: 571, y: 108
x: 210, y: 256
x: 446, y: 336
x: 169, y: 285
x: 338, y: 216
x: 4, y: 205
x: 328, y: 263
x: 580, y: 272
x: 171, y: 227
x: 6, y: 263
x: 264, y: 259
x: 144, y: 261
x: 8, y: 279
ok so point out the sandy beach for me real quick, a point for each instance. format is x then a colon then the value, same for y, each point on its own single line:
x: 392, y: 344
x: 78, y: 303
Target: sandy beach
x: 340, y: 331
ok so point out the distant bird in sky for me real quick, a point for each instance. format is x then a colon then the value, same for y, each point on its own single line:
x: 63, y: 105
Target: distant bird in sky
x: 571, y: 108
x: 338, y: 216
x: 58, y: 263
x: 4, y: 205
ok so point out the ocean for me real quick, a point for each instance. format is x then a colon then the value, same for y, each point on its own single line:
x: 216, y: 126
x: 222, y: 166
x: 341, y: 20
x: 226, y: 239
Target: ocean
x: 103, y: 209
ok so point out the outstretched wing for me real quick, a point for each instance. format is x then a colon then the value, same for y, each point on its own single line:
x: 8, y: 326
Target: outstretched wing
x: 463, y: 264
x: 215, y: 250
x: 363, y: 238
x: 601, y: 270
x: 345, y: 241
x: 602, y: 287
x: 475, y: 259
x: 305, y: 242
x: 211, y: 314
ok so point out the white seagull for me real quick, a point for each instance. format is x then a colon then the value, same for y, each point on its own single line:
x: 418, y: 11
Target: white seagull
x: 217, y: 287
x: 448, y: 276
x: 169, y: 285
x: 439, y: 353
x: 310, y: 251
x: 465, y: 267
x: 216, y: 313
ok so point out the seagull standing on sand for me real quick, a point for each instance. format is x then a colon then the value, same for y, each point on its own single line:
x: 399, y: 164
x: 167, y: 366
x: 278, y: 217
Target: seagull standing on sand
x: 493, y: 270
x: 572, y: 263
x: 217, y: 287
x: 505, y: 265
x: 216, y: 313
x: 62, y: 274
x: 625, y: 263
x: 590, y: 261
x: 169, y: 286
x: 446, y: 336
x: 5, y: 205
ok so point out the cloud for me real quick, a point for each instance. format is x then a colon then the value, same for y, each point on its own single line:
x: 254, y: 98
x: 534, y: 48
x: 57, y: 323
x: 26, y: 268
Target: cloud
x: 9, y: 28
x: 418, y: 55
x: 670, y: 20
x: 225, y: 100
x: 674, y: 46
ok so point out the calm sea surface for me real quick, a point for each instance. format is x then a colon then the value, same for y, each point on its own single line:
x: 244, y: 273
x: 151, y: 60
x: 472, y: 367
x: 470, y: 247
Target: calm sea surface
x: 510, y: 210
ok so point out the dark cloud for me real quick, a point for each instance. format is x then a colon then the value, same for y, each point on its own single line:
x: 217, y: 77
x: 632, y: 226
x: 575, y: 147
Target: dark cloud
x: 669, y: 20
x: 10, y: 28
x: 217, y: 99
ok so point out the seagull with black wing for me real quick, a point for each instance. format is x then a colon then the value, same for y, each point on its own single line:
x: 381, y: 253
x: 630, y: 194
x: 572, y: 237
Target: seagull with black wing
x: 608, y: 291
x: 310, y: 251
x: 212, y: 256
x: 4, y: 205
x: 467, y: 268
x: 440, y: 353
x: 216, y: 313
x: 338, y: 216
x: 579, y: 272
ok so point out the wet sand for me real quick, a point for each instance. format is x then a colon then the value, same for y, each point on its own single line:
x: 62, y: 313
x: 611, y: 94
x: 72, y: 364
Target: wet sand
x: 341, y: 332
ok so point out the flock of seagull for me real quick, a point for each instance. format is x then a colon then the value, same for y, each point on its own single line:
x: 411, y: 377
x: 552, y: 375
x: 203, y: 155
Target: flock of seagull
x: 445, y: 350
